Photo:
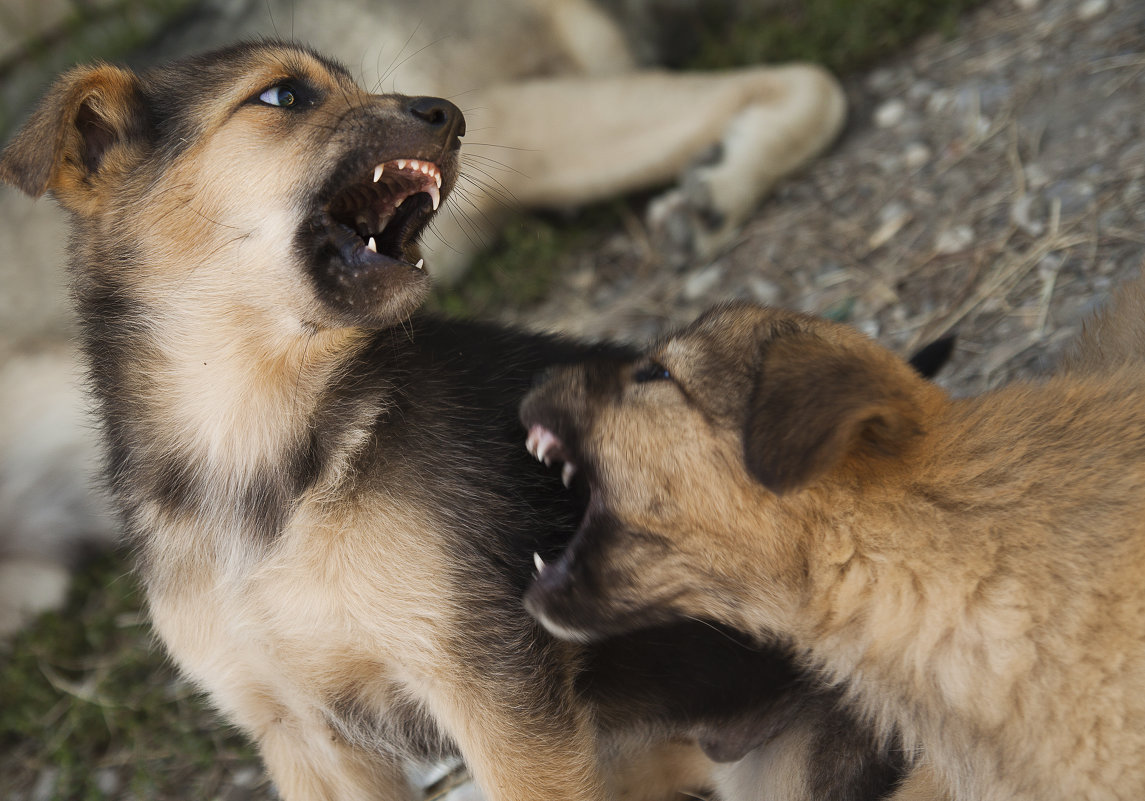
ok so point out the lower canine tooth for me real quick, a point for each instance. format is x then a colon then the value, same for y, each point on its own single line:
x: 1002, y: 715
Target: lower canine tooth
x: 420, y: 264
x: 539, y: 562
x: 567, y: 473
x: 372, y: 245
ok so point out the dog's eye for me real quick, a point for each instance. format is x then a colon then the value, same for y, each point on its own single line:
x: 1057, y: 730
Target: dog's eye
x: 284, y: 95
x: 652, y: 371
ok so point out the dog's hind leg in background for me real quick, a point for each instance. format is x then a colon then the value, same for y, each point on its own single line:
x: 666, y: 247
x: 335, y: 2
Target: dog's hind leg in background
x: 753, y: 126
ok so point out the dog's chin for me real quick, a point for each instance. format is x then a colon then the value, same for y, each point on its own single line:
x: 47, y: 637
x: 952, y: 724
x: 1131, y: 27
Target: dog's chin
x: 571, y: 608
x: 360, y: 287
x: 360, y: 242
x: 564, y: 613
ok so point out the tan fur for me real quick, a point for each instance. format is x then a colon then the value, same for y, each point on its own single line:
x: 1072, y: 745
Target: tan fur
x: 970, y: 569
x: 282, y: 633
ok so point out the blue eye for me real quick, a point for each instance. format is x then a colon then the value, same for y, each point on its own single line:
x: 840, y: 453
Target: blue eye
x: 282, y: 95
x: 653, y: 371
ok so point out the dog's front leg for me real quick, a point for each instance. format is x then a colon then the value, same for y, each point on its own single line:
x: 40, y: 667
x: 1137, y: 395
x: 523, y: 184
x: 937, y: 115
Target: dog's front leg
x: 310, y: 763
x: 522, y: 736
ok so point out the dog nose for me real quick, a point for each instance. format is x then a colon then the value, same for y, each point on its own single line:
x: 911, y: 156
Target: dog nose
x: 438, y: 113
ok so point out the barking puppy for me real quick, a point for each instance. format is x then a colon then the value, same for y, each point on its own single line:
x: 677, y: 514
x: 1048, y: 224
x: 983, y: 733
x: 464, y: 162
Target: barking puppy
x: 333, y: 516
x: 970, y: 570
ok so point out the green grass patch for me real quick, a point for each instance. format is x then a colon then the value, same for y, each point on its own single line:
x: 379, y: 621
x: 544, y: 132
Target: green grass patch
x: 842, y: 35
x: 519, y: 269
x: 91, y: 709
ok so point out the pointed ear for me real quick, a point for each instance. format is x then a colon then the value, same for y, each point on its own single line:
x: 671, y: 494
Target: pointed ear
x: 815, y: 403
x: 66, y: 143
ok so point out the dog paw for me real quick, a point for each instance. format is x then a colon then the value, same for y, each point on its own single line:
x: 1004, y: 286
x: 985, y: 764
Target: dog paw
x: 685, y: 225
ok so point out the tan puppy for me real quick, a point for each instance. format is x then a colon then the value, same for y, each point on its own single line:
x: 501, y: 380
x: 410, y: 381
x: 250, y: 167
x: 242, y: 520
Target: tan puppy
x: 325, y: 489
x: 969, y: 570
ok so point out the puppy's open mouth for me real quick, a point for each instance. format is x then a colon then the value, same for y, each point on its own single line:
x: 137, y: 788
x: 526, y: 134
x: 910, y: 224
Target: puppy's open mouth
x: 376, y: 220
x: 547, y: 447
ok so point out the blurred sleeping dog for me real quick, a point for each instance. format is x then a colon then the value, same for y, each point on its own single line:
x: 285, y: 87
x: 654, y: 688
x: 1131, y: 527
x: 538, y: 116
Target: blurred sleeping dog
x: 970, y: 571
x: 333, y: 517
x: 564, y: 116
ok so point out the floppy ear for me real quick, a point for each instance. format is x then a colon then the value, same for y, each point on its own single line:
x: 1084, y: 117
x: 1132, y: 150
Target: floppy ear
x: 814, y: 404
x: 66, y: 143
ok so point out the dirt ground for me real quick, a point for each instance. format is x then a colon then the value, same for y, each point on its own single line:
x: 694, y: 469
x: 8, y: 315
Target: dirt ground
x: 992, y: 185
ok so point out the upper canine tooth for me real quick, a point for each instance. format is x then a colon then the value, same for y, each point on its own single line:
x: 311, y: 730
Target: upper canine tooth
x: 435, y: 196
x: 401, y: 164
x: 378, y: 172
x: 372, y: 245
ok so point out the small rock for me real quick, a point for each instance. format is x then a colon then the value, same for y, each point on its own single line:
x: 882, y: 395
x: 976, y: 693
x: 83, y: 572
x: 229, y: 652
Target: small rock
x: 916, y: 154
x: 1092, y: 9
x: 939, y: 101
x: 45, y: 787
x: 763, y: 291
x: 703, y: 282
x: 890, y: 113
x: 891, y: 220
x: 1036, y: 177
x: 869, y: 326
x: 1022, y: 214
x: 107, y: 781
x: 246, y: 777
x: 954, y: 240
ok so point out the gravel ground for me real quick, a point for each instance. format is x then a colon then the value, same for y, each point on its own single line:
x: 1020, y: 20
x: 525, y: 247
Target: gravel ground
x: 991, y: 184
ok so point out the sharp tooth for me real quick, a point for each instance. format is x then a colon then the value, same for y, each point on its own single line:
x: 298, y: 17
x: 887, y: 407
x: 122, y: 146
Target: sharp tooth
x: 567, y: 473
x: 545, y: 442
x: 420, y: 264
x: 401, y: 164
x: 413, y: 164
x: 372, y: 245
x: 539, y: 562
x: 378, y: 172
x: 437, y: 179
x: 425, y: 169
x: 400, y: 201
x: 435, y: 196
